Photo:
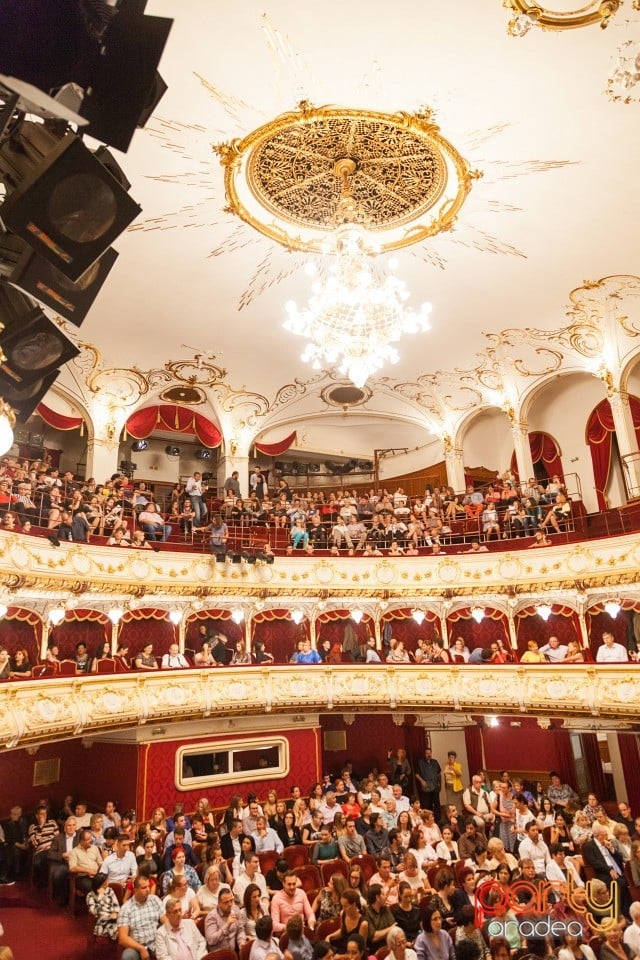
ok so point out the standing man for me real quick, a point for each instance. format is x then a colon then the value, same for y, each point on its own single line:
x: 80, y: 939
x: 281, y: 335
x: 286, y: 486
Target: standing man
x: 233, y: 483
x: 194, y: 491
x: 58, y: 857
x: 429, y: 777
x: 138, y: 922
x: 258, y: 484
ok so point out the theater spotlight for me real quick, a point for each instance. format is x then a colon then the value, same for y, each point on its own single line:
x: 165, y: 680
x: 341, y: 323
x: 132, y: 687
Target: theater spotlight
x: 61, y: 200
x: 33, y: 346
x: 139, y: 445
x: 172, y: 451
x: 203, y: 454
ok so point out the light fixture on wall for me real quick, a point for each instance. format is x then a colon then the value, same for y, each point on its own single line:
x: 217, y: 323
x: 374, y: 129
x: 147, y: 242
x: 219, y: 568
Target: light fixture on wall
x: 175, y: 616
x: 3, y: 610
x: 613, y: 608
x: 493, y: 722
x: 115, y: 614
x: 237, y: 615
x: 357, y: 615
x: 418, y: 616
x: 56, y: 615
x: 478, y: 614
x: 544, y: 610
x: 297, y: 615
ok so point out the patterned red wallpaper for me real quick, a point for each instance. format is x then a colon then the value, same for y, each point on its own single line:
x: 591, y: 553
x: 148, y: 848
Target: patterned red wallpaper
x: 156, y: 764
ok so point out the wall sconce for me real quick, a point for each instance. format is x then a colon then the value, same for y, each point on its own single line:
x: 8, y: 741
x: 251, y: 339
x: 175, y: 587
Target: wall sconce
x: 115, y: 614
x: 237, y: 615
x: 357, y: 615
x: 297, y: 615
x: 544, y: 610
x: 418, y: 616
x: 478, y: 614
x: 175, y: 616
x: 613, y: 608
x: 56, y: 616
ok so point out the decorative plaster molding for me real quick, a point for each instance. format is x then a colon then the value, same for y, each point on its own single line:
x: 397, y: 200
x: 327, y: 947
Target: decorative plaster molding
x: 39, y: 711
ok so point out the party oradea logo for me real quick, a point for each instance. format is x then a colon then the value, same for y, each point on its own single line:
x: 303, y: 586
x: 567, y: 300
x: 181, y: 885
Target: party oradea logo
x: 525, y: 898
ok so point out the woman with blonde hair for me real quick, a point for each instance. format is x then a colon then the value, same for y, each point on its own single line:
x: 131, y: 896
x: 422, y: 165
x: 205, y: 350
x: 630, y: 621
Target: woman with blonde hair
x: 204, y: 809
x: 269, y: 805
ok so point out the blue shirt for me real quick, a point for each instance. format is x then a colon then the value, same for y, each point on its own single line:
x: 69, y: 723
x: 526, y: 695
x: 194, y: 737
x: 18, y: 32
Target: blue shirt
x: 311, y: 657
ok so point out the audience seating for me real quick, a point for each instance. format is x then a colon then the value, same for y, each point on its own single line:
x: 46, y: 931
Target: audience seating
x: 296, y: 855
x: 367, y: 864
x: 333, y: 866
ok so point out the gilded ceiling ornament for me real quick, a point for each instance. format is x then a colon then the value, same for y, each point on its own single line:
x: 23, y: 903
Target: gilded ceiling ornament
x: 552, y: 15
x: 408, y: 181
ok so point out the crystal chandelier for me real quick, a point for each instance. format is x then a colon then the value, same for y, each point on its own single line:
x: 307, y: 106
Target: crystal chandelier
x: 355, y: 313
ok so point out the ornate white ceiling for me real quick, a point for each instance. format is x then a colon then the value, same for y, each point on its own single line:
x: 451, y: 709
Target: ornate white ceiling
x: 557, y: 201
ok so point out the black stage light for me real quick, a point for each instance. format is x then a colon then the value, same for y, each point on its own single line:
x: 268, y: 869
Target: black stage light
x: 26, y: 269
x: 126, y: 466
x: 203, y: 454
x: 172, y: 451
x: 124, y: 86
x: 139, y: 445
x: 67, y: 206
x: 33, y: 346
x: 25, y: 399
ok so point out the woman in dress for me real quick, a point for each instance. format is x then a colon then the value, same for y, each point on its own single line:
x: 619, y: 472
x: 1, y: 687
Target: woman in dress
x: 289, y: 833
x: 269, y: 805
x: 20, y: 668
x: 447, y: 849
x: 145, y: 660
x: 581, y: 828
x: 316, y: 797
x: 203, y: 808
x: 560, y: 833
x: 327, y: 904
x: 434, y: 943
x: 414, y: 876
x: 547, y: 816
x: 505, y: 810
x: 247, y: 847
x: 252, y: 910
x: 421, y: 850
x: 614, y: 948
x: 429, y: 828
x: 179, y: 889
x: 351, y: 921
x: 103, y: 905
x: 241, y: 655
x: 158, y: 823
x: 404, y: 828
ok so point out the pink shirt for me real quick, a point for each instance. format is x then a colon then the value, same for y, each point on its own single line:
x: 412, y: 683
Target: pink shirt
x: 283, y: 907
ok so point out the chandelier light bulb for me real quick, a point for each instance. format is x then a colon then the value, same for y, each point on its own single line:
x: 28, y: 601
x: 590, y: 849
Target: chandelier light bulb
x: 297, y: 616
x: 56, y: 616
x: 418, y: 616
x: 478, y: 614
x: 115, y: 614
x: 544, y: 610
x: 357, y: 615
x: 175, y: 616
x: 237, y: 615
x: 493, y: 721
x: 613, y: 608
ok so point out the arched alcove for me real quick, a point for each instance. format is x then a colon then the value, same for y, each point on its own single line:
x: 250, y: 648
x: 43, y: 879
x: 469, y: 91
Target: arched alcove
x: 486, y: 440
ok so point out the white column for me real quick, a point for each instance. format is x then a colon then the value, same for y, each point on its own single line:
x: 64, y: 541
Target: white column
x: 454, y: 462
x: 102, y: 458
x: 520, y: 434
x: 626, y: 437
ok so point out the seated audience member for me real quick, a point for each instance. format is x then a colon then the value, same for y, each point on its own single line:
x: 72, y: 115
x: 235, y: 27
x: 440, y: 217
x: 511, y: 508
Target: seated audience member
x: 41, y: 835
x: 265, y: 945
x: 145, y: 660
x: 174, y: 660
x: 540, y: 539
x: 120, y: 865
x: 559, y: 513
x: 377, y: 916
x: 298, y: 946
x: 138, y: 921
x: 532, y: 654
x: 610, y: 651
x: 150, y: 857
x: 222, y: 927
x: 559, y: 793
x: 152, y: 522
x: 180, y: 890
x: 178, y: 938
x: 291, y: 899
x: 553, y: 650
x: 103, y: 905
x: 208, y: 894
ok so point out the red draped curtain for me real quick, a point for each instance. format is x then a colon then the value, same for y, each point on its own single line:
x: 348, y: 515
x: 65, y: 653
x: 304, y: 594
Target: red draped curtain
x: 599, y: 621
x: 80, y: 626
x: 593, y: 764
x: 21, y: 630
x: 563, y: 623
x: 473, y: 743
x: 279, y: 633
x: 57, y: 420
x: 564, y: 761
x: 405, y: 628
x: 598, y: 435
x: 139, y: 627
x: 544, y: 450
x: 630, y: 758
x: 175, y: 419
x: 494, y: 626
x: 275, y: 449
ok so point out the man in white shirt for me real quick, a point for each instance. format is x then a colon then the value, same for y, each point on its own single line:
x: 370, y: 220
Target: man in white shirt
x: 559, y: 868
x: 610, y: 651
x: 194, y: 491
x: 384, y: 788
x: 402, y: 803
x: 178, y: 938
x: 632, y: 933
x: 121, y: 864
x: 152, y: 522
x: 554, y: 651
x: 477, y: 803
x: 174, y: 660
x: 329, y: 807
x: 251, y: 875
x: 534, y: 849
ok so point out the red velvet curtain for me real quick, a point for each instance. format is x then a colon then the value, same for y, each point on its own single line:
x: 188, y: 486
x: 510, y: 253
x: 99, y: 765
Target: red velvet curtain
x: 564, y: 760
x: 630, y: 758
x: 473, y: 742
x: 21, y: 630
x: 563, y: 623
x: 545, y: 450
x: 176, y: 419
x: 139, y: 627
x: 88, y: 627
x: 494, y: 626
x: 279, y: 633
x: 57, y: 420
x: 598, y: 432
x: 593, y: 763
x: 405, y: 628
x: 275, y: 449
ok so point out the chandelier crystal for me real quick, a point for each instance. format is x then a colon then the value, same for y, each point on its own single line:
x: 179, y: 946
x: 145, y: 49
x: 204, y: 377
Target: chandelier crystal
x: 355, y: 313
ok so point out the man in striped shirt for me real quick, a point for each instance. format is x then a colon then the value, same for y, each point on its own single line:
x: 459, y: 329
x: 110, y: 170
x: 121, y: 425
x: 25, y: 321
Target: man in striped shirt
x: 41, y: 834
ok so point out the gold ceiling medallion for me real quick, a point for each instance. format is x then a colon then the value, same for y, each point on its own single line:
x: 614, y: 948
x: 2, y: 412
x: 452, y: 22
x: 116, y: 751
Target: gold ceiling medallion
x: 286, y: 178
x: 555, y: 15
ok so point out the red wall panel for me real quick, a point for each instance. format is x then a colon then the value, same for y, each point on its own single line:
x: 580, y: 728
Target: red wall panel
x: 369, y: 739
x: 156, y: 764
x: 108, y: 771
x: 519, y: 748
